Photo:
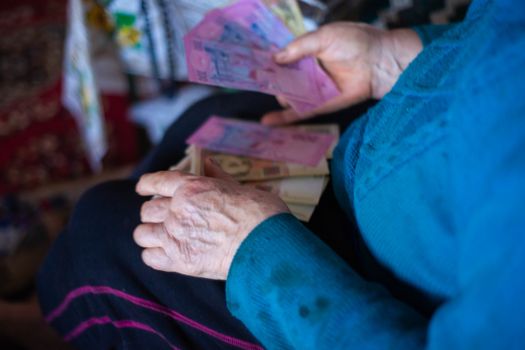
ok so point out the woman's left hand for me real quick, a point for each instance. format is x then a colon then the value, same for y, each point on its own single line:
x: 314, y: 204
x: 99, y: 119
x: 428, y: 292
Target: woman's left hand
x: 195, y: 224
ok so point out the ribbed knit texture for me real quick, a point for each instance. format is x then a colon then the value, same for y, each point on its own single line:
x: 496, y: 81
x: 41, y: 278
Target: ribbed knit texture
x: 435, y: 177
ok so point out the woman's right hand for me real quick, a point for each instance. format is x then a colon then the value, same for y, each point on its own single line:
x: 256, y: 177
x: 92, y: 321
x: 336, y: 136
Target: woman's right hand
x: 364, y: 62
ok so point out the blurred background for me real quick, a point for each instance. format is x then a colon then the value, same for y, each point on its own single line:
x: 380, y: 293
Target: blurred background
x: 86, y: 89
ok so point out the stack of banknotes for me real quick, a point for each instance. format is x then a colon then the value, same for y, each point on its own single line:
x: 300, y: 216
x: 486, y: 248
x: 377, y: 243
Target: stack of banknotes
x: 234, y: 46
x: 290, y: 162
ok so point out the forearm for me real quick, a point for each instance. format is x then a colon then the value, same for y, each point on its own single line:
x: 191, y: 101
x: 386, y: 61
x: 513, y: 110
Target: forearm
x: 292, y: 291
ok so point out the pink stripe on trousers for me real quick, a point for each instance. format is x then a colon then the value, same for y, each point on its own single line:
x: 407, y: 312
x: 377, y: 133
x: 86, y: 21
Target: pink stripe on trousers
x: 82, y: 327
x: 76, y: 293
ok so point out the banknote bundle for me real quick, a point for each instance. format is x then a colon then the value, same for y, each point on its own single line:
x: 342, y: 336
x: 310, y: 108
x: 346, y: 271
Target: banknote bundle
x: 255, y: 155
x: 234, y: 46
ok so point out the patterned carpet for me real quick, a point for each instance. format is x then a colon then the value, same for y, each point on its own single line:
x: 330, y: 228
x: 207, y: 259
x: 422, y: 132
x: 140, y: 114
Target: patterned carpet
x: 39, y: 139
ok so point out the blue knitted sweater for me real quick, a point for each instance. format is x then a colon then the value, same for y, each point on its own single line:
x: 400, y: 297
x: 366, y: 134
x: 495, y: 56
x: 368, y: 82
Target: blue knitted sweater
x: 435, y: 176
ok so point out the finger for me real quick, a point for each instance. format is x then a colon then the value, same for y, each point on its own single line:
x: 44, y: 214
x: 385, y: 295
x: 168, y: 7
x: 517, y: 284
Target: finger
x: 212, y: 169
x: 282, y: 101
x: 157, y: 258
x: 155, y: 210
x: 288, y: 116
x: 163, y: 183
x: 335, y: 104
x: 283, y: 117
x: 150, y: 235
x: 309, y: 44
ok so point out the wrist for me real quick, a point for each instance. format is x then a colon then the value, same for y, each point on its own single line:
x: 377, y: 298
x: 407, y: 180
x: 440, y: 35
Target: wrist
x: 406, y: 45
x: 396, y: 49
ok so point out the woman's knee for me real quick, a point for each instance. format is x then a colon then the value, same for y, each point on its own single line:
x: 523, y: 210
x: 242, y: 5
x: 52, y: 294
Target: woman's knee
x: 108, y: 207
x: 98, y: 236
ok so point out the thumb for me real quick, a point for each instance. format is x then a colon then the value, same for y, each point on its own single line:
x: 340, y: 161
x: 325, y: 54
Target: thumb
x: 309, y: 44
x: 212, y: 169
x: 282, y: 117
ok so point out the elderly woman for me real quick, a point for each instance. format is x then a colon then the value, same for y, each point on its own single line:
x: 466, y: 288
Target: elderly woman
x: 424, y: 250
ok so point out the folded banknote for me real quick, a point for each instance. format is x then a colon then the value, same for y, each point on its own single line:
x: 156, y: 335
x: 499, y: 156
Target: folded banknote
x: 302, y: 212
x: 299, y: 190
x: 247, y: 23
x: 234, y: 46
x: 332, y: 129
x: 260, y: 141
x: 244, y: 168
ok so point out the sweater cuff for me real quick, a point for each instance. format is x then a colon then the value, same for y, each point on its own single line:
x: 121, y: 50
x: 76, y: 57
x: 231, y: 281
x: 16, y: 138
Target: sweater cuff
x: 293, y: 292
x: 431, y: 32
x: 277, y: 282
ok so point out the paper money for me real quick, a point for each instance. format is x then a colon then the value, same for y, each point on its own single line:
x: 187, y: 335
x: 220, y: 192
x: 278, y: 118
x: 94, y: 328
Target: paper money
x: 244, y: 168
x: 197, y: 164
x: 244, y: 68
x: 325, y: 183
x: 234, y: 46
x: 298, y: 190
x: 289, y: 12
x: 299, y: 186
x: 259, y: 141
x: 302, y: 212
x: 247, y: 23
x: 331, y: 129
x: 129, y: 16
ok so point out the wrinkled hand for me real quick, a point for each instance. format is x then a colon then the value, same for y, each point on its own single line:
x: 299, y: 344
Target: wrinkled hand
x: 198, y: 223
x: 364, y: 62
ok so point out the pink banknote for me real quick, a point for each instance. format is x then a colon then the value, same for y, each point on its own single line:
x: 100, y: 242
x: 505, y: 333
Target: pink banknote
x: 259, y: 141
x: 325, y: 87
x: 244, y: 68
x: 246, y: 23
x: 233, y: 47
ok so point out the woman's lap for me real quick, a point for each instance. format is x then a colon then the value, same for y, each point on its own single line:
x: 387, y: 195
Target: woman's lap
x: 100, y: 279
x: 94, y: 288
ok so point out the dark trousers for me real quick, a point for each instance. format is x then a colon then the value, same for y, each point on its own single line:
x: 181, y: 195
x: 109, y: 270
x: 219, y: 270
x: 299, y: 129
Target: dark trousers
x: 95, y: 290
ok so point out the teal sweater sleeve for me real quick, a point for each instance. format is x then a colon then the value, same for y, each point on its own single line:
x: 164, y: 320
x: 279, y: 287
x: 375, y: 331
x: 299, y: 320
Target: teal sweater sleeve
x: 293, y: 292
x: 431, y: 32
x: 303, y: 296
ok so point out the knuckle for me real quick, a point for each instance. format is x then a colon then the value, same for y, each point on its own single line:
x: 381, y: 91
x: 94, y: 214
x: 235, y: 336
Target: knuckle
x: 163, y: 233
x: 195, y: 185
x: 163, y: 179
